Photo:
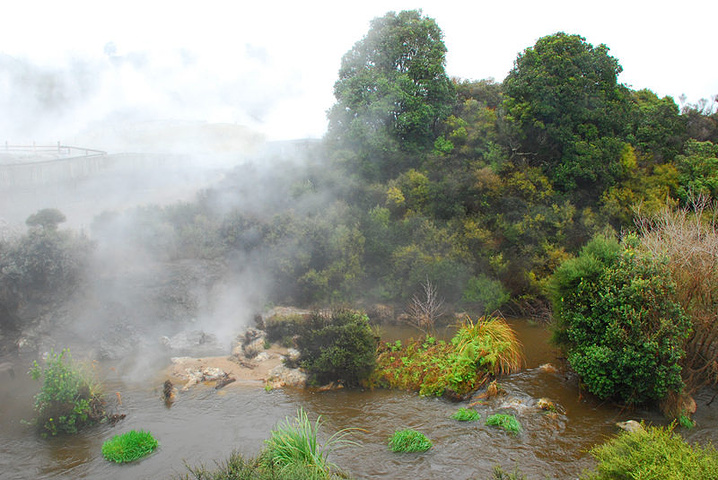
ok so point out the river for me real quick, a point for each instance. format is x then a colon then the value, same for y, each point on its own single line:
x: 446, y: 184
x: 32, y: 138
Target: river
x: 205, y: 425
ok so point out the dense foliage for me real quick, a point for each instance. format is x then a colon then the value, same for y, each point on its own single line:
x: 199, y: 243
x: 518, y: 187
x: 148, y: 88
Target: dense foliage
x: 340, y: 346
x: 129, y: 446
x: 617, y: 320
x: 391, y: 93
x: 653, y: 452
x: 455, y: 369
x: 40, y: 267
x: 69, y: 398
x: 688, y: 238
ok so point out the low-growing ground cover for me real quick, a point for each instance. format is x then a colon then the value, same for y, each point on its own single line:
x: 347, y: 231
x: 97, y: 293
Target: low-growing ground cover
x: 466, y: 415
x: 454, y: 369
x: 505, y: 421
x: 409, y: 441
x: 129, y: 446
x: 653, y: 452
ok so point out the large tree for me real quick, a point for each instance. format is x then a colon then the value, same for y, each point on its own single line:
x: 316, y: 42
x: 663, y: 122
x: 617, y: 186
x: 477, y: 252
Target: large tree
x: 391, y: 93
x: 569, y: 113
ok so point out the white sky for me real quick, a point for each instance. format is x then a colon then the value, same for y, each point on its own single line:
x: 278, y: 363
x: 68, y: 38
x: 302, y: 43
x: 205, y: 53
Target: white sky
x: 271, y: 65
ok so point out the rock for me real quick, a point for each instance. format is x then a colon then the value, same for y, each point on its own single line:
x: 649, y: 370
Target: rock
x: 202, y: 374
x: 548, y: 368
x: 330, y: 387
x: 630, y: 426
x: 548, y: 406
x: 168, y: 392
x: 281, y: 376
x: 222, y: 382
x: 262, y: 357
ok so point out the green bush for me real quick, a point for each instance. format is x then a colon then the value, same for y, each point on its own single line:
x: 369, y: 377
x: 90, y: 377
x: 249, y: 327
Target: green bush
x: 337, y: 347
x: 616, y: 319
x: 505, y: 421
x: 466, y: 415
x: 68, y: 400
x: 409, y: 441
x: 653, y: 453
x: 489, y: 294
x: 129, y: 446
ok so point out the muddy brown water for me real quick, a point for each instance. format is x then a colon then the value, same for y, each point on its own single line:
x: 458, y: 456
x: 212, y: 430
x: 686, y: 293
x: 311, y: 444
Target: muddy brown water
x: 205, y: 425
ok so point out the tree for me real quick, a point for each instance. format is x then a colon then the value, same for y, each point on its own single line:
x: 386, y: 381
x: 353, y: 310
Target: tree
x: 567, y: 111
x: 392, y: 92
x: 47, y: 218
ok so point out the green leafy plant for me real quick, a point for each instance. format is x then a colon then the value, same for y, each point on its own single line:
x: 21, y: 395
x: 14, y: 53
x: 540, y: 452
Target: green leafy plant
x: 68, y: 399
x: 129, y: 446
x: 337, y: 347
x: 455, y: 369
x: 653, y: 452
x: 409, y: 441
x: 616, y: 318
x: 505, y: 421
x: 294, y: 443
x: 466, y: 415
x: 686, y: 421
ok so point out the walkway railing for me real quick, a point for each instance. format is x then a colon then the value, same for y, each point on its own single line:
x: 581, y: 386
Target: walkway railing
x: 59, y: 149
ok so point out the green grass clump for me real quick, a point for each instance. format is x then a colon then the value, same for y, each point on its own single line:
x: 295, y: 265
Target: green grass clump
x: 653, y: 452
x: 466, y: 415
x: 409, y: 441
x: 293, y: 444
x: 129, y: 446
x: 505, y: 421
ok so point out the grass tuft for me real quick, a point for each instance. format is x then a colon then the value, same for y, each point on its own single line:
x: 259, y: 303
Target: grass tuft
x: 505, y: 421
x: 409, y: 441
x: 466, y: 415
x: 294, y: 443
x: 129, y: 446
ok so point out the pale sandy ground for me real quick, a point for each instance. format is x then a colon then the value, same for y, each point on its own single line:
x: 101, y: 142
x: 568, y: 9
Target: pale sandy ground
x: 245, y: 371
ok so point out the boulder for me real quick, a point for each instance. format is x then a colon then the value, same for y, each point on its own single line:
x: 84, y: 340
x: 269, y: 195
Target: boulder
x: 281, y: 376
x: 630, y: 426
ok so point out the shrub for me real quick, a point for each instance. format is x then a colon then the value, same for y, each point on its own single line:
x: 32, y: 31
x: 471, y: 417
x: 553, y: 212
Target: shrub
x: 688, y: 238
x: 617, y: 321
x: 488, y: 294
x: 68, y: 400
x: 129, y: 446
x: 293, y: 444
x: 409, y: 441
x: 466, y: 415
x: 477, y: 351
x: 653, y: 452
x: 505, y: 421
x: 338, y: 347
